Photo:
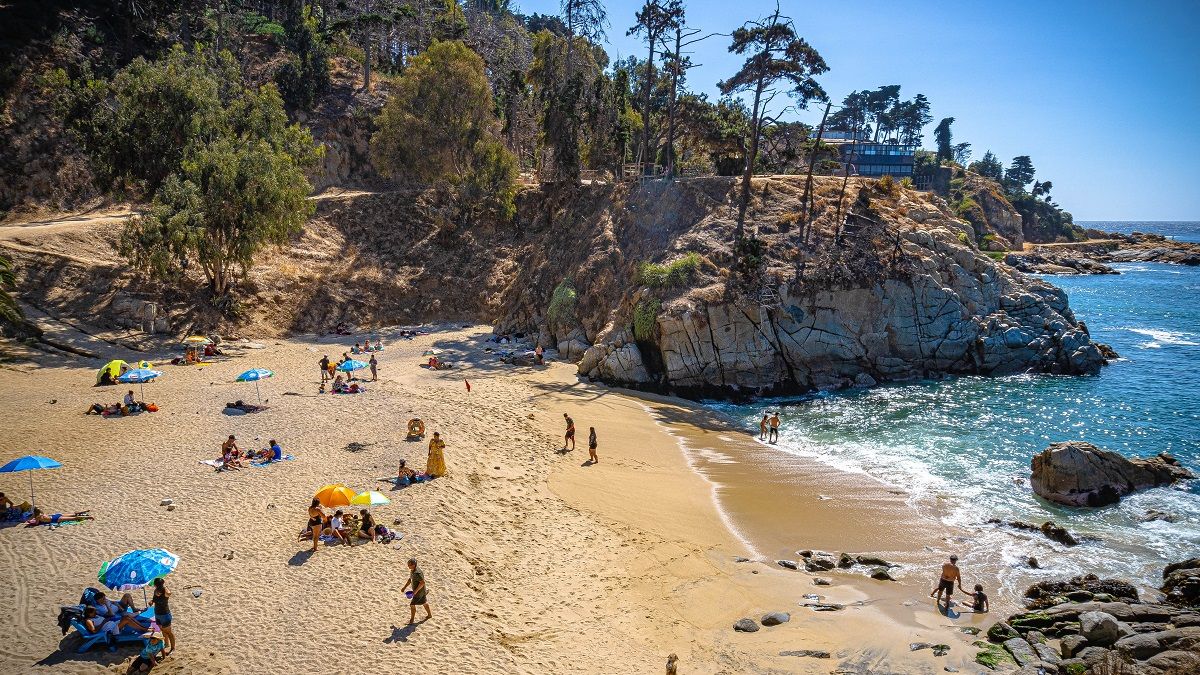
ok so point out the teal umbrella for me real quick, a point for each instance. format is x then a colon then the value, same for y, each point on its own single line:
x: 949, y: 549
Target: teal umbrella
x: 140, y: 376
x: 254, y: 375
x: 30, y: 463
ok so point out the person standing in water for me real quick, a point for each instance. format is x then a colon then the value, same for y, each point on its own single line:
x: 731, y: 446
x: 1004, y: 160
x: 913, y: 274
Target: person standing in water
x: 774, y: 436
x: 762, y: 427
x: 592, y: 445
x: 570, y: 435
x: 950, y: 576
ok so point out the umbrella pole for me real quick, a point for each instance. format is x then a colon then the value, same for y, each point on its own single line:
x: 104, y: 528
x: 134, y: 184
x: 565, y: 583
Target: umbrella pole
x: 258, y: 391
x: 32, y: 498
x: 144, y: 598
x: 142, y: 387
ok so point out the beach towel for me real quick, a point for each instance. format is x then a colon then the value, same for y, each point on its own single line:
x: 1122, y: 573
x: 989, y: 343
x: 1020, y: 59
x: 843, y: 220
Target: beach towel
x: 214, y: 463
x: 259, y: 465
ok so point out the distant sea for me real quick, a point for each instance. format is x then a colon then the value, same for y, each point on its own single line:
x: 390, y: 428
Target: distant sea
x: 962, y: 447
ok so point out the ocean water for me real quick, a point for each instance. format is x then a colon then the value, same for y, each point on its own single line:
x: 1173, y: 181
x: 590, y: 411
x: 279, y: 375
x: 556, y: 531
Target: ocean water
x: 962, y: 447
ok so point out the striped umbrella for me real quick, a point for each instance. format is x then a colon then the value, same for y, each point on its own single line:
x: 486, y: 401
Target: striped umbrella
x: 140, y: 376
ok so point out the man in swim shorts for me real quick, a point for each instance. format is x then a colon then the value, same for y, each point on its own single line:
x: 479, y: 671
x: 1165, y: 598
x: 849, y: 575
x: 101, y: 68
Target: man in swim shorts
x: 570, y: 435
x: 950, y: 576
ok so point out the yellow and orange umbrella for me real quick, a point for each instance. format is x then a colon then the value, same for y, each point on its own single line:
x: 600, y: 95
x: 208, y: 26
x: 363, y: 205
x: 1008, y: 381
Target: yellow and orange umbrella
x: 333, y: 496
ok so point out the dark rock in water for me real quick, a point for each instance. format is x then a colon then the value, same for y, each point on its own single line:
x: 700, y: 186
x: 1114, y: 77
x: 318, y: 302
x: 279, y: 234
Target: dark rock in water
x: 824, y: 606
x: 813, y: 653
x: 776, y: 618
x: 1079, y: 596
x: 1033, y: 563
x: 1001, y: 631
x: 1044, y: 593
x: 745, y: 626
x: 1154, y: 514
x: 1181, y: 583
x: 790, y: 564
x: 1080, y: 474
x: 1051, y: 529
x: 1107, y: 351
x: 874, y: 561
x: 806, y: 553
x: 820, y: 581
x: 938, y: 649
x: 1099, y: 628
x: 1070, y: 645
x: 845, y: 561
x: 882, y: 574
x: 819, y: 563
x: 740, y: 559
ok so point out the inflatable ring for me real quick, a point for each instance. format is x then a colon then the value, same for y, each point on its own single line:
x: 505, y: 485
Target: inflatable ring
x: 416, y: 428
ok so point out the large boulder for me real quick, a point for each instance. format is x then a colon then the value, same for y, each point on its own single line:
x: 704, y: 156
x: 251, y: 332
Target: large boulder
x: 1181, y: 583
x: 1099, y: 628
x: 624, y: 366
x: 1080, y: 474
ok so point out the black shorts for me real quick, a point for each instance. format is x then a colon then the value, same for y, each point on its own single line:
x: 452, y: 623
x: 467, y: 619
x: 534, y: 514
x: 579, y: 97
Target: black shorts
x: 571, y: 434
x: 946, y: 585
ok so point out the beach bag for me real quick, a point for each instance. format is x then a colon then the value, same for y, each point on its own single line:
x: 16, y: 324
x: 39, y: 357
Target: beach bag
x: 150, y: 407
x: 67, y: 614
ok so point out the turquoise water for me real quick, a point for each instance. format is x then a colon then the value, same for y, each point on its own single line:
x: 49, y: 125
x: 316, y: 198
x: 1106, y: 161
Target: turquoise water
x: 962, y: 447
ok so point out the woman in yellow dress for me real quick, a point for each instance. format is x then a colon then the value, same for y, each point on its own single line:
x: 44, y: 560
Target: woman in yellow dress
x: 436, y: 466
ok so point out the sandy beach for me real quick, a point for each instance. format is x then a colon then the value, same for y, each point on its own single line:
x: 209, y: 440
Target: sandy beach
x: 536, y: 561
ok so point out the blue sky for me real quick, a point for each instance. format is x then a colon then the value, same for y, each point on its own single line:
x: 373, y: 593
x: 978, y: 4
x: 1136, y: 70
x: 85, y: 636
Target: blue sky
x: 1103, y: 95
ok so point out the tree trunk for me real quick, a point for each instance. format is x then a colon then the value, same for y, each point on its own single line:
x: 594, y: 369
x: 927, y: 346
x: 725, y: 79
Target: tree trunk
x: 678, y: 65
x: 748, y: 169
x: 645, y: 159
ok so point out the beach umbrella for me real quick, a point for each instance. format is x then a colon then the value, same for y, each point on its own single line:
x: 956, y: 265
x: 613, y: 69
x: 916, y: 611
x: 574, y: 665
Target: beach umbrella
x: 140, y: 376
x: 254, y: 375
x: 196, y: 340
x: 370, y: 498
x: 351, y: 365
x: 30, y: 463
x: 335, y: 495
x: 137, y: 569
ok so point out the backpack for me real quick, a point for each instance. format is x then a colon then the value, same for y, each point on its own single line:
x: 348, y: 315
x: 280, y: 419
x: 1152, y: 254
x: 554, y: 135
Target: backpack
x: 67, y: 614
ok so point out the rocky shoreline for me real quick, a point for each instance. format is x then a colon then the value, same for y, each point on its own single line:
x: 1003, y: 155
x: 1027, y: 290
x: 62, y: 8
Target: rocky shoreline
x: 1094, y: 255
x: 1101, y: 626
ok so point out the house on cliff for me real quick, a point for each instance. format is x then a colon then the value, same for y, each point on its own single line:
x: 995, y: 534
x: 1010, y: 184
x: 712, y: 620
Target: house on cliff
x: 863, y: 157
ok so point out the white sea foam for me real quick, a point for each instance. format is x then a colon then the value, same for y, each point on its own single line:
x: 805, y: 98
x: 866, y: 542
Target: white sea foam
x: 1158, y: 338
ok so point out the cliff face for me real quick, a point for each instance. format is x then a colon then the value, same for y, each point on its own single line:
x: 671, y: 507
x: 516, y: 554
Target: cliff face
x: 895, y: 291
x: 998, y: 226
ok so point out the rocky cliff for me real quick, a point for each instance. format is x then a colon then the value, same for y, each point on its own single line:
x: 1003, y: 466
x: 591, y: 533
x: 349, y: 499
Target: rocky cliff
x: 890, y: 289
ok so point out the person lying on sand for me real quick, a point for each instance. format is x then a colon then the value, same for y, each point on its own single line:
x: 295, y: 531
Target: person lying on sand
x: 6, y: 503
x: 40, y: 518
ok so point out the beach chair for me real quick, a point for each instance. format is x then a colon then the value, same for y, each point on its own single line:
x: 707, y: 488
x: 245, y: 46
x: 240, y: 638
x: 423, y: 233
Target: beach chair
x: 91, y: 639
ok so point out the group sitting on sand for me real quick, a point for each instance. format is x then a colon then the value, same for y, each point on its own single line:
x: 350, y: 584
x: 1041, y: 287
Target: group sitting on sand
x: 341, y: 528
x: 367, y: 347
x: 128, y: 406
x: 232, y: 456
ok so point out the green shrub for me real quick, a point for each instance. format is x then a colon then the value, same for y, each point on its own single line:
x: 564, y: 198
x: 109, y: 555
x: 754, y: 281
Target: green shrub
x: 561, y: 311
x: 675, y: 273
x: 964, y: 239
x: 887, y: 185
x: 645, y: 319
x: 253, y: 22
x: 964, y: 205
x: 998, y: 256
x: 906, y: 183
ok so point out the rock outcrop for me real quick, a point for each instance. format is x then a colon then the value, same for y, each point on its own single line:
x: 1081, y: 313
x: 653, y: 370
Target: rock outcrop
x: 1181, y: 583
x: 1080, y: 474
x: 958, y: 313
x: 1111, y: 634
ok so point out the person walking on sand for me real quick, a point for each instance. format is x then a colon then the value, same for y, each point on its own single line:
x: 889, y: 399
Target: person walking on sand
x: 436, y: 464
x: 762, y: 427
x: 316, y: 520
x: 324, y: 368
x: 774, y: 436
x: 570, y: 435
x: 162, y: 613
x: 374, y: 366
x: 416, y: 579
x: 592, y: 445
x: 950, y: 576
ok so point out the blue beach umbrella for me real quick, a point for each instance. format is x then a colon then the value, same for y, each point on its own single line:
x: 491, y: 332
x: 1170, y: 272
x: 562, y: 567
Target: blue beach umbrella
x: 254, y: 375
x: 30, y: 463
x: 140, y: 376
x: 351, y: 365
x: 137, y: 569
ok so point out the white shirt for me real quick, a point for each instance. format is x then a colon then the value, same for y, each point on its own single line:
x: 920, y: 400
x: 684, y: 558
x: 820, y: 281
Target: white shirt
x: 128, y: 399
x: 336, y: 523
